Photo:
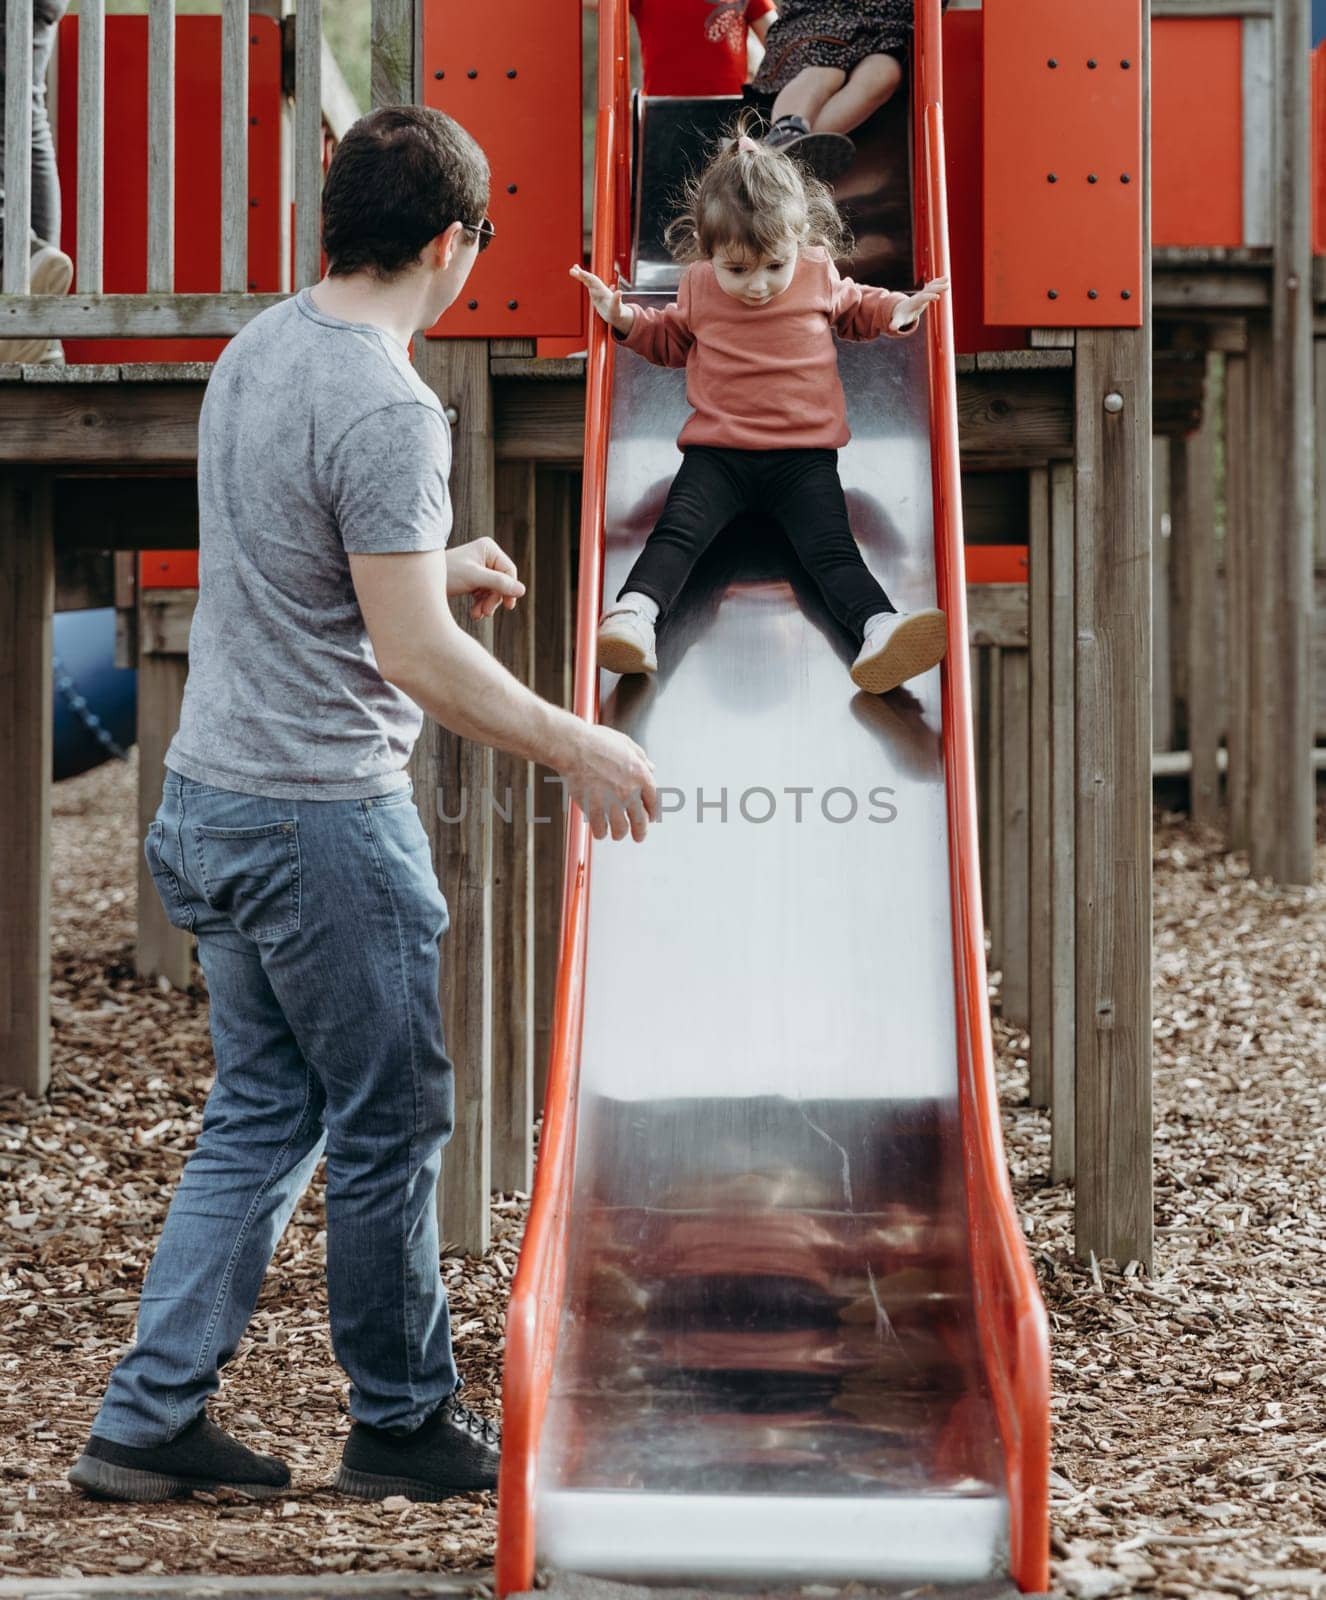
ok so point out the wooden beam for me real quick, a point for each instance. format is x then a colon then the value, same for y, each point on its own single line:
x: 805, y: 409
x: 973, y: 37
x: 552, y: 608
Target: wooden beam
x: 155, y: 315
x: 1113, y: 821
x: 992, y: 721
x: 394, y: 47
x: 453, y: 780
x: 1063, y: 822
x: 1015, y: 822
x: 1015, y: 416
x: 1257, y: 100
x: 1289, y: 571
x: 1040, y: 864
x: 164, y: 619
x: 513, y: 858
x: 27, y: 593
x: 125, y: 427
x: 997, y: 615
x: 554, y: 564
x: 1238, y: 515
x: 1319, y: 456
x: 163, y: 951
x: 1112, y: 833
x: 1212, y: 289
x: 1195, y: 554
x: 1162, y: 676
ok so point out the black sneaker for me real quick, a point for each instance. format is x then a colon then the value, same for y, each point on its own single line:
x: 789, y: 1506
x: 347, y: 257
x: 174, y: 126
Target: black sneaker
x: 203, y: 1456
x: 453, y: 1452
x: 827, y: 155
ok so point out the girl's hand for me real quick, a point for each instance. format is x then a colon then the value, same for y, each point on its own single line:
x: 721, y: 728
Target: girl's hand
x: 607, y: 302
x: 910, y: 309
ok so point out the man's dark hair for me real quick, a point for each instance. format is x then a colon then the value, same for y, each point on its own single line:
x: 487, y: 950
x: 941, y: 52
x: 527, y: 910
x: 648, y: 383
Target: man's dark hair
x: 400, y: 176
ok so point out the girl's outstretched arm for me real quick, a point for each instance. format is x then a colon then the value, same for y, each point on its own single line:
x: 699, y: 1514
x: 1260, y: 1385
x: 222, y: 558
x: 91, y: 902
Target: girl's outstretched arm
x: 863, y: 312
x: 607, y: 302
x: 662, y: 336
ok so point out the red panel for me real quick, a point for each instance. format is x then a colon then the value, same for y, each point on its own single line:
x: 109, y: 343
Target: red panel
x: 964, y: 103
x: 1062, y: 108
x: 1319, y: 150
x: 995, y: 563
x: 168, y: 569
x: 198, y: 169
x: 1197, y: 131
x: 512, y: 78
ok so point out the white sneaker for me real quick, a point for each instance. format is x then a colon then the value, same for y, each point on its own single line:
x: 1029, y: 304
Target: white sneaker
x: 900, y: 645
x: 51, y: 273
x: 626, y: 642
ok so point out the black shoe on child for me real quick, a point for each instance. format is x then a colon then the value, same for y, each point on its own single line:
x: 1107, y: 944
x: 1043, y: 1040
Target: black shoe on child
x: 453, y: 1451
x: 828, y: 155
x: 202, y: 1456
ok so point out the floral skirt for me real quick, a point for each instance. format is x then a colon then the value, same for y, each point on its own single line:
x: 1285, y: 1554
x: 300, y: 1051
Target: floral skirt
x: 832, y: 33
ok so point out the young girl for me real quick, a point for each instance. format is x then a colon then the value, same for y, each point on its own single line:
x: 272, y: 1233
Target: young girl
x: 830, y: 64
x: 753, y: 324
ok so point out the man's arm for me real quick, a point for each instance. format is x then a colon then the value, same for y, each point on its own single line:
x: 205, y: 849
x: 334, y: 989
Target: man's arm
x: 423, y: 651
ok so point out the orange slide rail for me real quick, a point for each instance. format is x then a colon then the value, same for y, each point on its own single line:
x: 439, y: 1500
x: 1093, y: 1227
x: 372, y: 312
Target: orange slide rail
x: 1013, y: 1329
x: 1011, y: 1318
x: 536, y: 1296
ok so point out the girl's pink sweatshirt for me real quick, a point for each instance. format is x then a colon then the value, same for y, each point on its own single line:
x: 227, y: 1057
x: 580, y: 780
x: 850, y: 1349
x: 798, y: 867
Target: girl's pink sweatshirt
x: 764, y: 377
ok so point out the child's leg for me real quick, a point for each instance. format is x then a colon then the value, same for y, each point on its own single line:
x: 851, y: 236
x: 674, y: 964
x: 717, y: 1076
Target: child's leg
x: 712, y: 488
x: 808, y: 93
x: 803, y: 490
x: 871, y: 84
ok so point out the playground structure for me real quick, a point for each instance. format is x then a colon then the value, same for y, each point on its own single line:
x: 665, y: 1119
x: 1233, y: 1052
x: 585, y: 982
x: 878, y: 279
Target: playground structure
x: 1063, y: 558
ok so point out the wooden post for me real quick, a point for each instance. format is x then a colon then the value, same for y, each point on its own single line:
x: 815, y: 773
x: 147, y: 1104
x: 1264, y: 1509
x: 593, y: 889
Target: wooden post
x: 453, y: 780
x: 1040, y: 896
x: 555, y: 516
x: 1014, y: 823
x: 1063, y: 826
x: 1264, y: 537
x: 163, y: 664
x: 1237, y: 617
x: 1192, y: 500
x: 513, y: 859
x: 394, y: 52
x: 1290, y: 601
x: 27, y: 601
x: 1112, y: 504
x: 1162, y: 677
x: 993, y: 723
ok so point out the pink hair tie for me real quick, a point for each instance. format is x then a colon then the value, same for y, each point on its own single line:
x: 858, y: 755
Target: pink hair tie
x: 745, y: 142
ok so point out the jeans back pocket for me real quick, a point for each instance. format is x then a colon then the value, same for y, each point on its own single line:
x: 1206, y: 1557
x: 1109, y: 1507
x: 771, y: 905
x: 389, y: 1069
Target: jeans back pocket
x: 176, y: 906
x: 251, y: 876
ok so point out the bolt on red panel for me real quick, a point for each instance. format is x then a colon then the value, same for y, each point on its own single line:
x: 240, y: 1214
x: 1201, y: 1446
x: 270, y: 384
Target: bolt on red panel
x: 511, y: 76
x: 1063, y: 163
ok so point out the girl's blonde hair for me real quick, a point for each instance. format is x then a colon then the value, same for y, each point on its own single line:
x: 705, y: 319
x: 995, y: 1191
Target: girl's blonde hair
x: 756, y: 199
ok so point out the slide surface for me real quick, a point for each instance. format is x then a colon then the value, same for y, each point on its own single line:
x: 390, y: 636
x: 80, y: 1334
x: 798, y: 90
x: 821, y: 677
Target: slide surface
x: 774, y: 1321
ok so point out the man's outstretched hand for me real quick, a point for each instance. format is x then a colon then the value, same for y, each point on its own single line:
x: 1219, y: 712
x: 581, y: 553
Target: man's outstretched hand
x: 485, y: 571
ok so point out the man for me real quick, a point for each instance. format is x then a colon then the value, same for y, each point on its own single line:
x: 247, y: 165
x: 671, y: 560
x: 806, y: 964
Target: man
x: 288, y: 842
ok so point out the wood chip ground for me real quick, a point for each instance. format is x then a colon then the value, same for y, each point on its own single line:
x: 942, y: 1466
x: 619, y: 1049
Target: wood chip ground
x: 1189, y: 1405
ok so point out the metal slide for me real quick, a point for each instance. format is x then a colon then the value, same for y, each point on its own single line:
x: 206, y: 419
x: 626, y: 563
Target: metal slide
x: 774, y: 1321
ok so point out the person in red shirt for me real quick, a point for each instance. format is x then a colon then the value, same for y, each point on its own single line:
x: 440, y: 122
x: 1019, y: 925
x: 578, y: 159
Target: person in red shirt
x: 754, y: 324
x: 698, y: 47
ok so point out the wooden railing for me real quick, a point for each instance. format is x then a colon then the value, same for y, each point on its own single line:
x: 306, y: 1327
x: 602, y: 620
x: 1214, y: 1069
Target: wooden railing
x: 321, y: 99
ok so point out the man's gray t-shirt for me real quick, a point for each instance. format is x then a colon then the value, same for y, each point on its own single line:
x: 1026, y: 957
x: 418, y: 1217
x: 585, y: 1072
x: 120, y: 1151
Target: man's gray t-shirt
x: 317, y: 438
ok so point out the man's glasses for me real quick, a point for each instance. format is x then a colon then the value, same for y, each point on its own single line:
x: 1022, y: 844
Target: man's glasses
x: 485, y: 231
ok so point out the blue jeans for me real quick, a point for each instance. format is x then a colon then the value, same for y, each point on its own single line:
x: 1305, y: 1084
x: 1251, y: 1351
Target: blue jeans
x: 318, y: 924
